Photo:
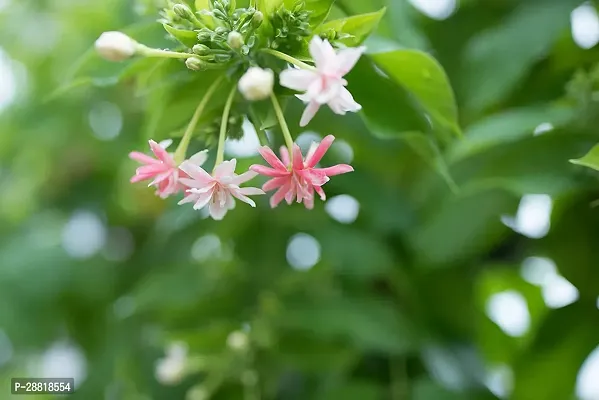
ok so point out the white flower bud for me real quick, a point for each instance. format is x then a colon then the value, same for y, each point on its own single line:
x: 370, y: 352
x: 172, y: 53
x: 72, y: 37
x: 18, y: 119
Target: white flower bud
x: 171, y: 369
x: 237, y: 341
x: 235, y: 40
x: 115, y: 46
x: 257, y: 83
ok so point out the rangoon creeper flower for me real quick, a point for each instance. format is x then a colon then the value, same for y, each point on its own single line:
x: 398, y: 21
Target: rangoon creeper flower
x: 298, y: 179
x: 325, y: 85
x: 163, y: 169
x: 116, y: 46
x: 219, y: 190
x: 257, y: 83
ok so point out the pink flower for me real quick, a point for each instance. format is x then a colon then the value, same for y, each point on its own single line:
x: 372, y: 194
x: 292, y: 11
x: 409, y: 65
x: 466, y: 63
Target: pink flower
x: 163, y: 170
x: 325, y: 85
x: 298, y: 179
x: 217, y: 190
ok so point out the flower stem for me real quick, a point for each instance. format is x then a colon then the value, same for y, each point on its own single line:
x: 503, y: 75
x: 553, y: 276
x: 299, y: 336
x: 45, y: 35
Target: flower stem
x: 182, y: 149
x: 220, y: 155
x: 283, y: 124
x: 150, y: 52
x: 289, y: 59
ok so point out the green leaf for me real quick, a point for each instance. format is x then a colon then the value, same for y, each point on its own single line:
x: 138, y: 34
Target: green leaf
x: 591, y: 159
x: 359, y: 27
x: 507, y: 126
x: 187, y: 38
x: 567, y: 336
x: 203, y: 5
x: 320, y: 10
x: 368, y: 323
x: 267, y: 6
x: 498, y: 58
x: 425, y: 79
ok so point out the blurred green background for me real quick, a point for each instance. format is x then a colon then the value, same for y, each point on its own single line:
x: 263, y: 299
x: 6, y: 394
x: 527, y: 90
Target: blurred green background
x: 396, y: 288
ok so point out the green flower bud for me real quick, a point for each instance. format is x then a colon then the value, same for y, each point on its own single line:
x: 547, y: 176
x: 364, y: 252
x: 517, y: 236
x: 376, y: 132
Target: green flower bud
x: 222, y: 58
x: 220, y: 30
x: 183, y: 11
x: 201, y: 50
x: 194, y: 64
x: 205, y: 35
x: 235, y: 40
x: 257, y: 19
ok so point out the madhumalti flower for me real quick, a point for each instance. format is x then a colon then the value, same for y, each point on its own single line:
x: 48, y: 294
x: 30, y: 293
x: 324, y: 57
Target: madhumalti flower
x: 257, y: 83
x: 115, y: 46
x: 219, y: 190
x: 163, y: 170
x: 324, y: 84
x: 299, y: 178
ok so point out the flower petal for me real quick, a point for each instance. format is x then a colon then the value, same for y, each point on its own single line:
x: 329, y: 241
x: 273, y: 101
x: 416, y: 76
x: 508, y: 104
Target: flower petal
x: 243, y: 198
x: 298, y: 158
x: 320, y: 192
x: 262, y: 170
x: 251, y: 191
x: 309, y: 113
x: 161, y: 153
x: 343, y: 103
x: 275, y: 183
x: 246, y: 176
x: 336, y: 170
x: 297, y: 79
x: 285, y: 155
x: 314, y: 157
x: 199, y: 158
x: 142, y: 158
x: 347, y: 58
x: 224, y: 169
x: 271, y: 158
x: 196, y: 172
x: 218, y: 211
x: 322, y: 52
x: 280, y: 195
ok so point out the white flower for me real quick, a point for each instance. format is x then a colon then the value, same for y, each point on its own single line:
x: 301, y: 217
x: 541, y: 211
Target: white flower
x: 171, y: 369
x: 325, y: 84
x: 116, y: 46
x: 219, y: 190
x: 257, y: 83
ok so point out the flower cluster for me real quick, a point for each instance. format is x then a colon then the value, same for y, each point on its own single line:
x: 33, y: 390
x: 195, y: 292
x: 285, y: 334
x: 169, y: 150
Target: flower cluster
x: 236, y: 41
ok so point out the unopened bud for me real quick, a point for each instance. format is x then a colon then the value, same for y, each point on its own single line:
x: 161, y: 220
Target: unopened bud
x: 257, y: 19
x: 235, y: 40
x: 204, y: 35
x: 221, y: 30
x: 201, y: 50
x: 222, y: 58
x: 115, y: 46
x: 257, y: 83
x: 194, y: 64
x: 183, y: 11
x: 237, y: 341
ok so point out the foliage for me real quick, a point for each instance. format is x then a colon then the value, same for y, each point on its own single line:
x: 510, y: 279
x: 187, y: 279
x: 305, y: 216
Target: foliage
x: 396, y: 305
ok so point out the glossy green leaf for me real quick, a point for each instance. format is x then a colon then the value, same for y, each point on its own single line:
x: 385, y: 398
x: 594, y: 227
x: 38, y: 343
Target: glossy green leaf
x: 423, y: 77
x: 590, y: 160
x: 319, y: 9
x: 203, y: 5
x: 268, y: 6
x: 358, y: 27
x: 187, y: 38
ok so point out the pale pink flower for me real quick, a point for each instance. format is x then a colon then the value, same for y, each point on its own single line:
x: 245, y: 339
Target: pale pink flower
x: 163, y: 170
x: 298, y: 179
x: 219, y: 190
x: 325, y: 85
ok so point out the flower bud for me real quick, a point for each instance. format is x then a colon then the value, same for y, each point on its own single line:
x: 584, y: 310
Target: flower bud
x: 222, y: 58
x: 257, y: 19
x: 194, y: 64
x: 205, y: 35
x: 201, y: 50
x: 235, y: 40
x: 183, y: 11
x: 257, y: 83
x: 237, y: 341
x: 115, y: 46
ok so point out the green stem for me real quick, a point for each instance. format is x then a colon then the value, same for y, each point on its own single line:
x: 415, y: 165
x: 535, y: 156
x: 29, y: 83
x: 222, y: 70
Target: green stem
x: 220, y: 155
x: 289, y: 59
x: 146, y: 51
x: 283, y: 124
x: 182, y: 149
